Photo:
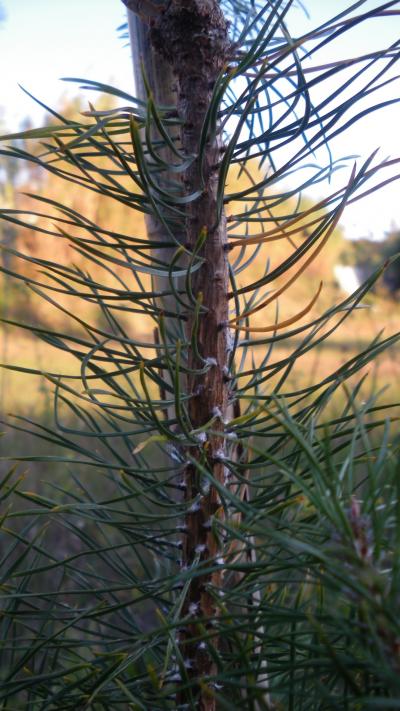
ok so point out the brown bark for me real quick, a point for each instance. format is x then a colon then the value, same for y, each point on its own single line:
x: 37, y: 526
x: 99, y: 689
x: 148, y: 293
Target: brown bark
x: 189, y: 42
x: 192, y: 36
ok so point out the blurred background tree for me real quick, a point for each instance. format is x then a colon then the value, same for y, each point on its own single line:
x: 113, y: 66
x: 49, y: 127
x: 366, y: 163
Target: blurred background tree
x: 364, y: 255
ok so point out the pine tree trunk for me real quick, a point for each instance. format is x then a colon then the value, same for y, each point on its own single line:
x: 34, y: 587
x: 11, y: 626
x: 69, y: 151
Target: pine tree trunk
x: 191, y: 37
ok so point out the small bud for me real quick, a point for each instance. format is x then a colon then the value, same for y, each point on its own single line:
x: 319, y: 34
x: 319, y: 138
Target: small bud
x: 200, y: 548
x: 229, y: 340
x: 194, y: 507
x: 175, y: 677
x: 211, y: 361
x: 205, y: 487
x: 193, y: 608
x: 227, y: 475
x: 219, y: 454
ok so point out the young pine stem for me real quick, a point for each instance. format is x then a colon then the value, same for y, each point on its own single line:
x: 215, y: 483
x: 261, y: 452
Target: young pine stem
x: 192, y: 37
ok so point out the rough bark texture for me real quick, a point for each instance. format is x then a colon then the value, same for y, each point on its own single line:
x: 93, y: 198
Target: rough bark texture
x: 183, y: 56
x: 192, y: 36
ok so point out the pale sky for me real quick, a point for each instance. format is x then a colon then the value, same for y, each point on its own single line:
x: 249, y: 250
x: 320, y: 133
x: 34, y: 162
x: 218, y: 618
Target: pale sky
x: 44, y: 40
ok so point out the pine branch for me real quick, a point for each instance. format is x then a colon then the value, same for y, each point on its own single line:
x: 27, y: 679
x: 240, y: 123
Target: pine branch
x: 196, y: 66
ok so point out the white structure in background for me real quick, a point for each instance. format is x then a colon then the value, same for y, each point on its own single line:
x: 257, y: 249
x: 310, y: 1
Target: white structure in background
x: 347, y: 278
